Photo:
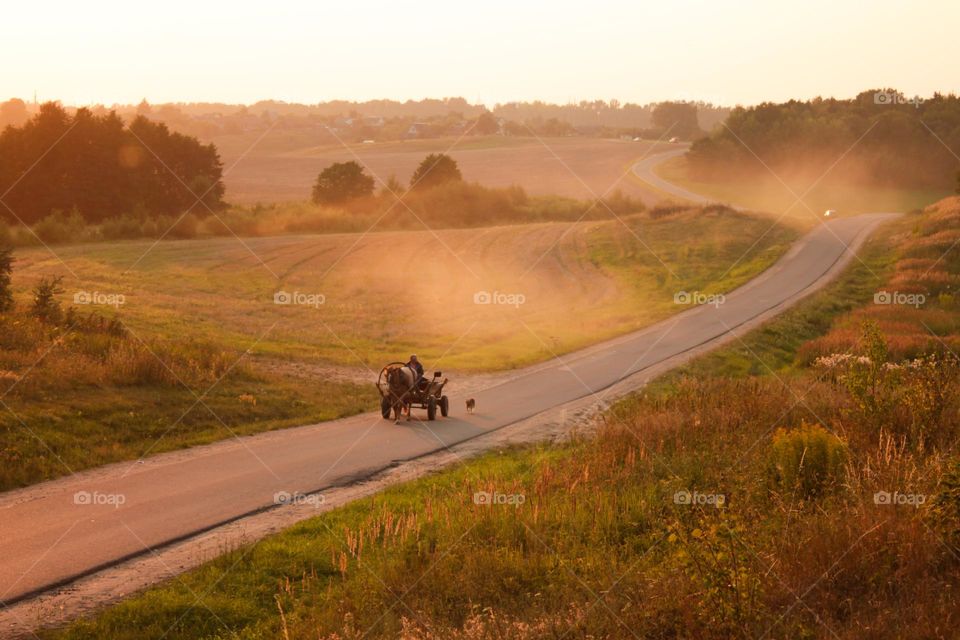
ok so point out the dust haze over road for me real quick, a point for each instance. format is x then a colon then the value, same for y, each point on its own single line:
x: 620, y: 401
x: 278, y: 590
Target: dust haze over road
x: 49, y: 536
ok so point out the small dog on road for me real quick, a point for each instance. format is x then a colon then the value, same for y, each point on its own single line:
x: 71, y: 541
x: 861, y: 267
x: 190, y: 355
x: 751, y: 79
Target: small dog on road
x: 471, y: 405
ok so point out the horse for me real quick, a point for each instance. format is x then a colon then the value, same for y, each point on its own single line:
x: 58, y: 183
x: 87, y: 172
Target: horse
x: 400, y: 380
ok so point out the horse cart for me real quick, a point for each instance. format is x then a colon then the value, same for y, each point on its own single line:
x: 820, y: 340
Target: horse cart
x: 424, y: 394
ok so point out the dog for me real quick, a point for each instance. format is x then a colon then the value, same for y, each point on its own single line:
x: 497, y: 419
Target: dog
x: 471, y: 405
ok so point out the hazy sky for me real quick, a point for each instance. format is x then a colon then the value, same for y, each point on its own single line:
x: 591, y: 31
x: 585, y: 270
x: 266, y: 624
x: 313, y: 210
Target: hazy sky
x: 724, y: 52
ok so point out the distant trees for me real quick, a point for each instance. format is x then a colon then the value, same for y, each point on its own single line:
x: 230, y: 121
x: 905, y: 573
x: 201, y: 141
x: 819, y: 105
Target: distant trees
x: 97, y: 166
x: 879, y: 137
x: 676, y: 119
x: 340, y: 182
x: 436, y: 169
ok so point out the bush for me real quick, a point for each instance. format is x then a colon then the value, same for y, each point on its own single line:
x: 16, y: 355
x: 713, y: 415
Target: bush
x: 6, y: 234
x: 808, y: 461
x: 121, y: 228
x: 621, y: 204
x: 46, y: 307
x: 945, y: 506
x: 6, y: 268
x: 58, y: 228
x: 184, y: 228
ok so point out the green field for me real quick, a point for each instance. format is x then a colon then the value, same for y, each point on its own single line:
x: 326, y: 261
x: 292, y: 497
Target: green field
x: 387, y: 294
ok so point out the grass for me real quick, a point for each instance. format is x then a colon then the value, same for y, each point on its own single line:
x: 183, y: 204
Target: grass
x: 780, y: 198
x: 247, y: 357
x: 388, y: 294
x: 76, y: 396
x: 618, y: 534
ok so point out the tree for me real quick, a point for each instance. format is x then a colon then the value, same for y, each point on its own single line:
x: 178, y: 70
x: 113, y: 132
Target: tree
x: 98, y: 166
x: 676, y: 119
x: 45, y: 303
x: 13, y: 112
x: 340, y: 182
x: 436, y: 169
x: 486, y: 124
x: 6, y: 268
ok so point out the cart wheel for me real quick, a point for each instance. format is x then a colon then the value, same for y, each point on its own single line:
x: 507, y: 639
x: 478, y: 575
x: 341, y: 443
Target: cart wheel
x: 432, y: 408
x: 444, y: 406
x: 385, y: 407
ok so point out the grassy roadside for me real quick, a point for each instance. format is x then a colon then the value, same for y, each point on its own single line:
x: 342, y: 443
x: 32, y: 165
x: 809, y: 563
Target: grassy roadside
x: 621, y: 533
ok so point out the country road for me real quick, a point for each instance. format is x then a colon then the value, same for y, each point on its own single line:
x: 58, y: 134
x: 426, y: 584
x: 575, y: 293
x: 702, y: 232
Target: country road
x: 47, y: 539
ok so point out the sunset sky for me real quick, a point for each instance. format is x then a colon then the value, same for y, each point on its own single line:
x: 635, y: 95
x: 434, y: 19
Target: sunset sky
x: 723, y: 52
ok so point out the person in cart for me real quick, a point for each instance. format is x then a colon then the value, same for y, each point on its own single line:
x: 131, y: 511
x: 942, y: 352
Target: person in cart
x: 417, y: 368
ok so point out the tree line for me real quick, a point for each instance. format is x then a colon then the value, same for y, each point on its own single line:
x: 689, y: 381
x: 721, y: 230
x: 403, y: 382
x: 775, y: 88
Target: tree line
x: 99, y: 167
x: 879, y: 137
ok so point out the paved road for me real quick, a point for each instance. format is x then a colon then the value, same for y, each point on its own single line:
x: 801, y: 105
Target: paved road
x: 644, y: 171
x: 46, y: 538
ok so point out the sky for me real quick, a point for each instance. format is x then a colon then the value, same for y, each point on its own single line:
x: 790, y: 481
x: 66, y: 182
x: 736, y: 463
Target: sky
x: 734, y: 52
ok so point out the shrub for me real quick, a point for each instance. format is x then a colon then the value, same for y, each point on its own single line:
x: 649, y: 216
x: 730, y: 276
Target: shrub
x: 808, y: 461
x: 666, y: 210
x: 945, y: 506
x: 871, y: 383
x: 6, y: 268
x: 621, y: 204
x: 58, y: 228
x: 185, y: 228
x: 928, y: 390
x: 121, y: 228
x: 6, y: 234
x: 46, y: 307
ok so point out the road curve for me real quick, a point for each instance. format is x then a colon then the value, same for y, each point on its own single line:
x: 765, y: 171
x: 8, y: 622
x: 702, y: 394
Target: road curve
x: 47, y: 539
x: 644, y: 170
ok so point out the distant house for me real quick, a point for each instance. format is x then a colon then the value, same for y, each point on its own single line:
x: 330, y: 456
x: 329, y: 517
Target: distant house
x: 373, y: 121
x: 418, y: 129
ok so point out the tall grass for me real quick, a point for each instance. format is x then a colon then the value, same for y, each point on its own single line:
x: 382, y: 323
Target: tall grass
x: 85, y: 391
